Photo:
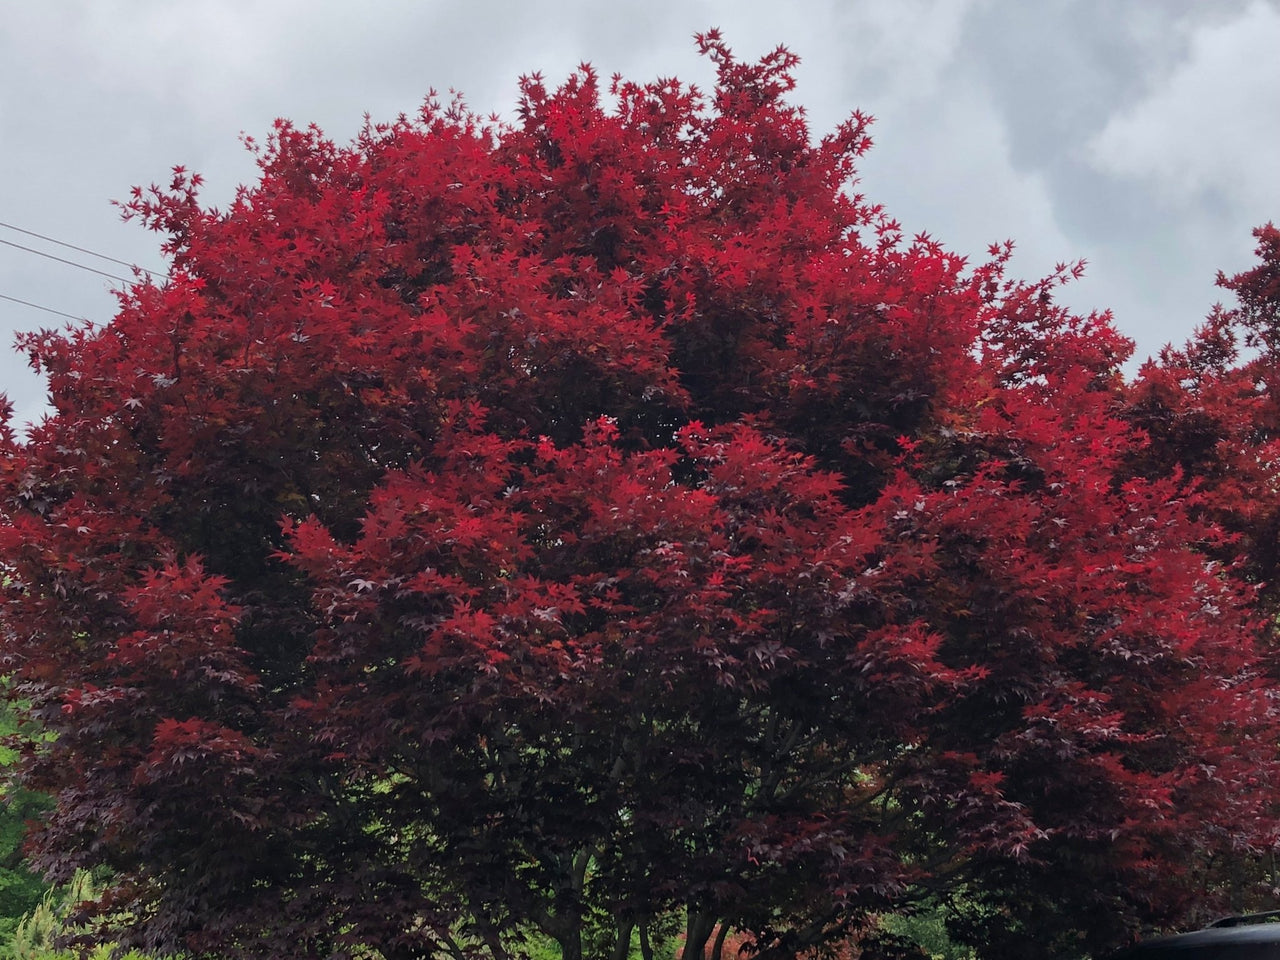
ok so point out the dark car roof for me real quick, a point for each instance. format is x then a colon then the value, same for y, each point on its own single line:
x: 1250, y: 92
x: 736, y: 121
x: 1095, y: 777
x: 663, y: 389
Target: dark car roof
x: 1260, y: 941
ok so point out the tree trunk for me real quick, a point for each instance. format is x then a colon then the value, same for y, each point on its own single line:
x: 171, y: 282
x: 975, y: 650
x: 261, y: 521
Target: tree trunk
x: 717, y: 948
x: 646, y: 948
x: 571, y: 946
x: 622, y: 946
x: 697, y: 931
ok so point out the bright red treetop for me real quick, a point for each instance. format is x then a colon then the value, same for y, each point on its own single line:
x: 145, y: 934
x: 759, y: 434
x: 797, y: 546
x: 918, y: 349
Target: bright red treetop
x: 568, y: 526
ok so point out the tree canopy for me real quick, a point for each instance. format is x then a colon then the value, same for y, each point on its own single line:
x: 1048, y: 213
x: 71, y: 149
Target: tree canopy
x: 609, y: 517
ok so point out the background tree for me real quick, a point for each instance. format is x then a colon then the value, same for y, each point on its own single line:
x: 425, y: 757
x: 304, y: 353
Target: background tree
x: 1210, y: 412
x: 566, y: 527
x: 1213, y: 418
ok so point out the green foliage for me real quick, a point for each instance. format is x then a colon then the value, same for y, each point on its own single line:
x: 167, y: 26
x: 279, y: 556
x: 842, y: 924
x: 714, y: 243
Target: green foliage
x: 927, y: 928
x: 663, y: 939
x: 542, y: 948
x: 35, y: 935
x: 20, y: 888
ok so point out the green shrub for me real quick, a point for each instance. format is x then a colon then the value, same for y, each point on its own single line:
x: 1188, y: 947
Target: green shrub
x: 20, y: 888
x: 34, y: 936
x: 927, y: 929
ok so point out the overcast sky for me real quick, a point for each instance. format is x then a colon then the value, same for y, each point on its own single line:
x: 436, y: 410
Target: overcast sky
x: 1141, y: 135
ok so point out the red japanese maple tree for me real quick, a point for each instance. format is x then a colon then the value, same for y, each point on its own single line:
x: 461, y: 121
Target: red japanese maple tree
x: 565, y: 527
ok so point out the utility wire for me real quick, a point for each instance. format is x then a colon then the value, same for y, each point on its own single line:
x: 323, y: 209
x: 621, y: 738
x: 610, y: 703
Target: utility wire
x: 28, y: 303
x: 70, y: 263
x: 92, y: 253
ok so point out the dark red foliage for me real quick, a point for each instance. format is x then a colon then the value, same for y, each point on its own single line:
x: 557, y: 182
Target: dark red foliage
x: 553, y: 528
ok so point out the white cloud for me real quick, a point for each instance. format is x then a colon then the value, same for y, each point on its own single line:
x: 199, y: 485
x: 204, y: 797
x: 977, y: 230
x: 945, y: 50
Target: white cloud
x: 1211, y: 131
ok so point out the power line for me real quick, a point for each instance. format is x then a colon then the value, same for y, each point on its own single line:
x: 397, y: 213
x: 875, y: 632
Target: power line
x: 70, y: 263
x: 28, y: 303
x: 92, y: 253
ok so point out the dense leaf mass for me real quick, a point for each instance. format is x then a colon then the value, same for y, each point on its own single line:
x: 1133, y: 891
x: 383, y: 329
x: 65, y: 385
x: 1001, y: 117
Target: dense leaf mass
x: 565, y: 526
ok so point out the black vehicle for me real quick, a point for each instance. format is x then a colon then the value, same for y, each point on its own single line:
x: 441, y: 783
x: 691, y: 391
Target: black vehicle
x: 1252, y: 937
